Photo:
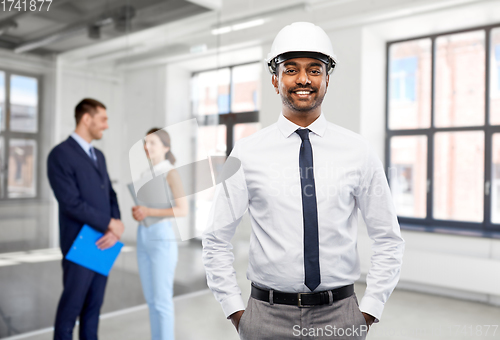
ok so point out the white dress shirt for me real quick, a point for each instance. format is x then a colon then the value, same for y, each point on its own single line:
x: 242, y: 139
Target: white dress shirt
x: 83, y: 144
x: 348, y: 175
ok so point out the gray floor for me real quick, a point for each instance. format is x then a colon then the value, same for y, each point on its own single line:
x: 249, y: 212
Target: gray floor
x: 407, y: 315
x: 31, y: 284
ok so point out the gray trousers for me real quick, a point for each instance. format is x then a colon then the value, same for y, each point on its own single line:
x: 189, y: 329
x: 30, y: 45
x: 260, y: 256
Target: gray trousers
x: 340, y: 320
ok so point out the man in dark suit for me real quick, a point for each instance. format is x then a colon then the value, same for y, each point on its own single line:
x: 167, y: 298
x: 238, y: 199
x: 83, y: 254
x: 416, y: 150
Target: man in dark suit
x: 79, y: 178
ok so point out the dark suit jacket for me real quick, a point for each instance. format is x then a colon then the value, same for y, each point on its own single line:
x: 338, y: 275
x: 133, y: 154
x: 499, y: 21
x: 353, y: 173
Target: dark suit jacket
x: 83, y: 191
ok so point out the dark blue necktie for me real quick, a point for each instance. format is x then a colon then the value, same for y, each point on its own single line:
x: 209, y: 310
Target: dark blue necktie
x: 92, y: 155
x: 309, y: 212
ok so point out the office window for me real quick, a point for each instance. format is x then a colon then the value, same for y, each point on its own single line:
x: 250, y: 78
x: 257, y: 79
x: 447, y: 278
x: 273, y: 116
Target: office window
x: 210, y: 92
x: 245, y: 88
x: 496, y: 67
x: 23, y: 104
x: 403, y: 79
x: 458, y: 176
x: 443, y: 129
x: 410, y: 84
x: 228, y: 96
x: 460, y: 79
x: 226, y: 103
x: 19, y: 135
x: 408, y: 178
x: 495, y: 179
x: 22, y: 168
x: 495, y: 77
x: 2, y: 101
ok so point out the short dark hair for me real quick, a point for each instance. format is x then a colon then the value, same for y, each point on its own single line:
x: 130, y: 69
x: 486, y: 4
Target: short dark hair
x: 87, y: 105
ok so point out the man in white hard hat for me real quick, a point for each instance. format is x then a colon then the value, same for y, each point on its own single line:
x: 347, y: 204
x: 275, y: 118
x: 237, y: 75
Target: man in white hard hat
x: 302, y: 180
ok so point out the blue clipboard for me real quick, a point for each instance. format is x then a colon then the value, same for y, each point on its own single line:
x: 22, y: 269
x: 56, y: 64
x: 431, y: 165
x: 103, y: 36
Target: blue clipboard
x: 85, y: 252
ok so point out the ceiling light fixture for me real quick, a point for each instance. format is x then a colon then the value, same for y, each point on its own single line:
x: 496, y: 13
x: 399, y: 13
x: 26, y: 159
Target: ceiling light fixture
x: 202, y: 48
x: 240, y: 26
x: 248, y: 24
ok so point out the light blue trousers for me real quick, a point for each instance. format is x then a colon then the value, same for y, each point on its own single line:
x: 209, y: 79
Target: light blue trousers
x: 157, y: 258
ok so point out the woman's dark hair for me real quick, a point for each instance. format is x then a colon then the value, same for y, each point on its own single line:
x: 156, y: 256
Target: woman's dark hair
x: 165, y: 139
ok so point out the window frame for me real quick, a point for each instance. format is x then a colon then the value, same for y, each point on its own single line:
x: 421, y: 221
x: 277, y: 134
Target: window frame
x: 229, y: 119
x: 429, y: 223
x: 7, y: 135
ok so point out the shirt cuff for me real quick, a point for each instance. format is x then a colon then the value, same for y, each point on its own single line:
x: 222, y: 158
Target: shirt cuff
x: 371, y: 306
x: 232, y: 304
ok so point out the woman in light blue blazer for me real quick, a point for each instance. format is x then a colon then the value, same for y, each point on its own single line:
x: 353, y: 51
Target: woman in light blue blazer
x: 156, y: 244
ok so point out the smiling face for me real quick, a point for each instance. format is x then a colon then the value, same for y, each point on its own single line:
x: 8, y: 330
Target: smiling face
x: 302, y: 84
x: 96, y: 123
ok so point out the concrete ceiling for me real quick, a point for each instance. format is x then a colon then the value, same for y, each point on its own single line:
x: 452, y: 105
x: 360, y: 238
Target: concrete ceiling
x: 70, y: 24
x: 192, y: 40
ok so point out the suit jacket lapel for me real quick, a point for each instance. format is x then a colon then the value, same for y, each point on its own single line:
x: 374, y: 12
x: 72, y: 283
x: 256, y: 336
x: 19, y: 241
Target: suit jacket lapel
x: 82, y: 153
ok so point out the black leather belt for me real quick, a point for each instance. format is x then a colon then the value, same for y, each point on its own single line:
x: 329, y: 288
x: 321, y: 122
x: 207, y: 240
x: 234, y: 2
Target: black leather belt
x: 302, y: 299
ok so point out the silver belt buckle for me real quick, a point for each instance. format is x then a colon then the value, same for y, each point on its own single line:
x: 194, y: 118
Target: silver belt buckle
x: 300, y: 300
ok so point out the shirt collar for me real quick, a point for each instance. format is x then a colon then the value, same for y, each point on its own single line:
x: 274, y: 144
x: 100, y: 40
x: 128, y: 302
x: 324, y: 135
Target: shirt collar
x: 82, y: 142
x: 287, y: 127
x: 161, y: 168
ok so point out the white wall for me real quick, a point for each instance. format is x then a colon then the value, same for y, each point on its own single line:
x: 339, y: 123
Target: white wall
x: 341, y: 105
x: 270, y: 101
x: 76, y: 84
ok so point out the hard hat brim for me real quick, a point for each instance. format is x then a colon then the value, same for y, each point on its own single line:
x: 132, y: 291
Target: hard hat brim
x: 292, y: 55
x: 328, y: 61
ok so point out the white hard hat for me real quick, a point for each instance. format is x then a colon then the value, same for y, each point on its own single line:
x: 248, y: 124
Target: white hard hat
x: 304, y: 37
